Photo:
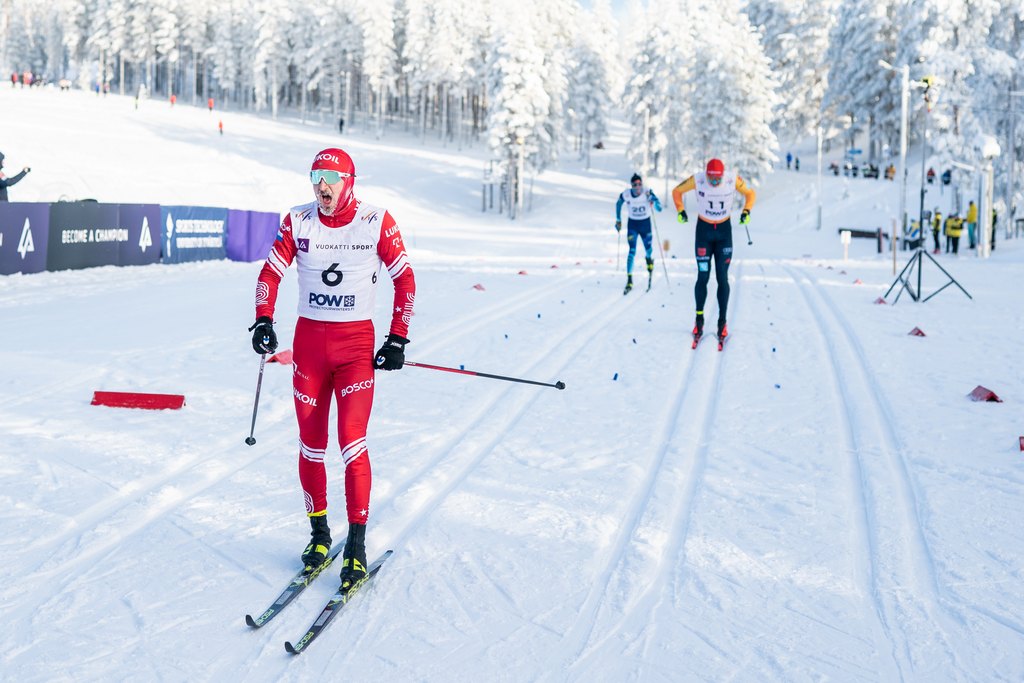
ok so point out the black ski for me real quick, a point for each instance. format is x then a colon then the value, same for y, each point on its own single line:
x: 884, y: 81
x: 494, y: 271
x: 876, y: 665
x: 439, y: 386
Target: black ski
x: 297, y: 585
x: 333, y: 606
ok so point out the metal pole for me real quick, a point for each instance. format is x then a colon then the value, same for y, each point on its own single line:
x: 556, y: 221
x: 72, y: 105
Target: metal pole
x: 1011, y: 205
x: 904, y: 104
x: 985, y: 224
x: 924, y: 158
x: 820, y: 162
x: 251, y: 440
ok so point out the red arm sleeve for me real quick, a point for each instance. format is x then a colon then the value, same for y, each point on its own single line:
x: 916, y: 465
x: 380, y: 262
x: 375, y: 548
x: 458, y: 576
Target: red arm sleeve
x: 391, y: 250
x: 281, y: 256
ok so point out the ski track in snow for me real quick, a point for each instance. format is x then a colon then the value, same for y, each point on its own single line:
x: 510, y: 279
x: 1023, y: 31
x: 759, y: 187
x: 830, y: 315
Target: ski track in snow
x: 464, y: 451
x: 897, y: 573
x: 660, y: 508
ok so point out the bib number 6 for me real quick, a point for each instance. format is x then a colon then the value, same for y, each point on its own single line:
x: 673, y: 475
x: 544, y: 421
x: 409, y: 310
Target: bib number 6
x: 332, y: 277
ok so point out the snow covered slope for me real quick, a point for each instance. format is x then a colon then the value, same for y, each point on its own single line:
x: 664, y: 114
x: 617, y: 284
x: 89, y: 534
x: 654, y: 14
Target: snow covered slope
x: 818, y: 501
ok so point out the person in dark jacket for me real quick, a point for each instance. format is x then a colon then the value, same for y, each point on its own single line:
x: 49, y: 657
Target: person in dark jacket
x: 6, y: 182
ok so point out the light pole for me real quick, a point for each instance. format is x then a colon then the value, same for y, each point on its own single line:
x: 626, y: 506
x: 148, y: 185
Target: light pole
x: 904, y: 106
x: 1011, y: 205
x: 820, y: 162
x: 929, y: 99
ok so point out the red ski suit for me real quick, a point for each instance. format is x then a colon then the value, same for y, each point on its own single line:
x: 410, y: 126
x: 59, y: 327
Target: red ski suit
x: 338, y: 259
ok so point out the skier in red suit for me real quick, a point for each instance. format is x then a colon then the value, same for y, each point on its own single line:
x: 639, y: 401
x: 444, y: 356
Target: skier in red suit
x: 338, y: 244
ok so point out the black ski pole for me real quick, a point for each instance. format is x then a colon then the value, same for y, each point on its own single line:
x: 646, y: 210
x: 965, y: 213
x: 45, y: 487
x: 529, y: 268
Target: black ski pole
x: 747, y: 228
x: 660, y: 250
x: 557, y: 385
x: 250, y: 440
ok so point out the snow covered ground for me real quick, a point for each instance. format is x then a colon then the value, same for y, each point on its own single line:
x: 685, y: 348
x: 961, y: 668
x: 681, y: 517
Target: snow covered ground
x: 820, y: 501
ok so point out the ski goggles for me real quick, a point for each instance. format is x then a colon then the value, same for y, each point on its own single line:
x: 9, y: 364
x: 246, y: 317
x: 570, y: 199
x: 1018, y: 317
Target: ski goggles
x: 329, y: 177
x: 714, y: 181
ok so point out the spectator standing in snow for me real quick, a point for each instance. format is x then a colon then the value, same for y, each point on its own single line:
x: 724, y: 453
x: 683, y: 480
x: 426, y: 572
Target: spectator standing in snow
x: 6, y: 182
x: 972, y: 223
x: 954, y: 228
x: 936, y: 224
x: 789, y: 160
x: 638, y: 203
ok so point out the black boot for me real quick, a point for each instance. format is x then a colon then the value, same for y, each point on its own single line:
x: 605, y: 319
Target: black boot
x: 723, y: 331
x: 353, y: 566
x: 698, y: 325
x: 319, y: 543
x: 650, y: 265
x: 629, y: 284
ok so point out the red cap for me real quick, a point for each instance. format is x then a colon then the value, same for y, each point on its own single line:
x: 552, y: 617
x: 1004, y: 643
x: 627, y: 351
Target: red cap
x: 715, y: 169
x: 334, y: 159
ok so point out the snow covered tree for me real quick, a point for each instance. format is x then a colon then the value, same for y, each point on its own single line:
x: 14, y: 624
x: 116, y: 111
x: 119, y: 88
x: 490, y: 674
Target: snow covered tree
x: 658, y: 93
x: 603, y: 34
x: 379, y: 59
x: 795, y: 36
x: 859, y: 88
x: 519, y: 105
x: 694, y: 97
x: 589, y: 102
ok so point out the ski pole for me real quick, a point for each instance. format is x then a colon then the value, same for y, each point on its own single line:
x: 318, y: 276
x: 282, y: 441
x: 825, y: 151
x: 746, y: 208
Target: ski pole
x: 250, y: 440
x: 618, y: 249
x: 557, y: 385
x: 660, y: 250
x: 747, y: 228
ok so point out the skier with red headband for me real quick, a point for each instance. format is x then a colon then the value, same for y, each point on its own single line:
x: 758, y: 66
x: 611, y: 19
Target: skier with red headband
x: 715, y: 192
x: 338, y: 244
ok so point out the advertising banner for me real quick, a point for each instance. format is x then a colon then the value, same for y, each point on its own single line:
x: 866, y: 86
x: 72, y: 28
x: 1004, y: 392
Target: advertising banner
x: 23, y: 237
x: 83, y: 234
x: 263, y: 228
x: 143, y: 224
x: 251, y: 234
x: 193, y: 233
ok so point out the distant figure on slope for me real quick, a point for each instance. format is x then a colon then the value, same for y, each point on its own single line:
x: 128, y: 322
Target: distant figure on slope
x: 339, y: 244
x: 936, y: 224
x: 6, y: 182
x: 715, y: 192
x: 972, y: 223
x: 638, y: 202
x: 954, y: 228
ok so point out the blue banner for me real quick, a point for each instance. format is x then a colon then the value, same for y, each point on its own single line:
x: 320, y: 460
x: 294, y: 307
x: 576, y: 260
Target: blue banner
x: 142, y: 221
x: 24, y: 230
x: 193, y: 233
